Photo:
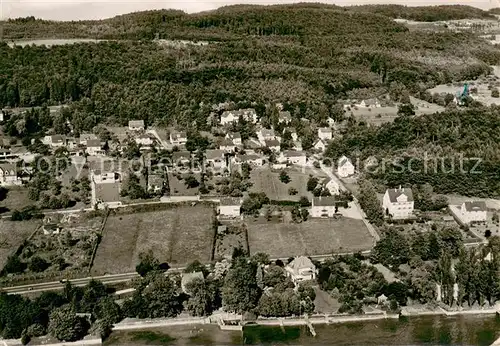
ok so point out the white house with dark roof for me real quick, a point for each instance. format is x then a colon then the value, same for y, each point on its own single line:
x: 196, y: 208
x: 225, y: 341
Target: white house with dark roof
x: 274, y: 145
x: 398, y: 202
x: 235, y: 137
x: 323, y: 206
x: 319, y: 145
x: 293, y: 157
x: 227, y: 145
x: 331, y: 185
x: 8, y: 175
x: 284, y: 117
x: 473, y: 211
x: 251, y: 159
x: 325, y: 133
x: 178, y: 138
x: 229, y: 117
x: 136, y: 125
x: 345, y: 167
x: 264, y: 135
x: 84, y: 137
x: 144, y: 140
x: 54, y: 141
x: 369, y: 103
x: 94, y: 148
x: 301, y: 269
x: 215, y: 159
x: 230, y: 207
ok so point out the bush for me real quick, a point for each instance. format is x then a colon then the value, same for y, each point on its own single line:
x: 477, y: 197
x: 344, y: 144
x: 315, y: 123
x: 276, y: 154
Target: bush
x: 292, y: 191
x: 495, y: 93
x: 38, y: 264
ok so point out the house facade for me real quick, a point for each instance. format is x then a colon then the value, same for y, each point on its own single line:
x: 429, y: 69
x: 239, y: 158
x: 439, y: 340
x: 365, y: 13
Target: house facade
x: 216, y: 159
x: 264, y: 135
x: 54, y: 141
x: 136, y: 125
x: 274, y: 145
x: 323, y: 207
x: 325, y: 133
x: 229, y: 117
x: 474, y: 212
x: 398, y: 202
x: 284, y: 117
x: 94, y: 148
x: 301, y: 269
x: 8, y: 175
x: 319, y: 145
x: 230, y: 207
x: 235, y: 137
x: 178, y: 138
x: 227, y: 145
x: 298, y: 158
x: 345, y: 167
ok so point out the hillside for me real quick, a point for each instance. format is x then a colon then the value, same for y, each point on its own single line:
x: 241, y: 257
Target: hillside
x: 306, y: 55
x: 426, y: 13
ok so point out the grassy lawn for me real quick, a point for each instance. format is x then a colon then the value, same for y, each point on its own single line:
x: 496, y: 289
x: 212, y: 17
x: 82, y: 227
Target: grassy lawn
x: 265, y: 180
x: 176, y: 236
x: 17, y: 198
x: 12, y: 235
x: 179, y: 188
x: 313, y: 237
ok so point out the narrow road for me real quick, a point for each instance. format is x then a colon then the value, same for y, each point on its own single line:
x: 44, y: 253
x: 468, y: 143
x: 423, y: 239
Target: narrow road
x: 118, y: 278
x: 328, y: 171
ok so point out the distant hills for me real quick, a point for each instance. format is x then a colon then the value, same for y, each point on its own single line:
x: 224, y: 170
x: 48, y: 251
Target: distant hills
x: 229, y: 22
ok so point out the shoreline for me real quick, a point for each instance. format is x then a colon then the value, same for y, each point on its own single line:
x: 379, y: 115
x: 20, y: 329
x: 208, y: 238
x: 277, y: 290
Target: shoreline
x: 295, y: 321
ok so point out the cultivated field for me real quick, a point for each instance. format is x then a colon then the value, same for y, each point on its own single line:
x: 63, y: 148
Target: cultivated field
x: 177, y: 236
x: 12, y: 235
x: 313, y: 237
x: 265, y: 180
x: 374, y: 116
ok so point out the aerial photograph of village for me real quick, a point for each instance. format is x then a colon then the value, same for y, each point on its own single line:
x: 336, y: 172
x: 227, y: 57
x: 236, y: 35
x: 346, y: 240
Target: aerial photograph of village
x: 261, y: 174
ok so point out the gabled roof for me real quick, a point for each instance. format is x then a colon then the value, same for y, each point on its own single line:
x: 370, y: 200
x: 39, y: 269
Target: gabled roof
x: 176, y: 155
x: 57, y: 138
x: 87, y: 136
x: 475, y: 206
x: 226, y: 142
x: 136, y: 123
x: 178, y: 135
x: 343, y: 160
x: 272, y: 143
x: 294, y: 153
x: 301, y: 262
x: 234, y: 135
x: 319, y: 141
x: 228, y: 201
x: 8, y: 167
x: 285, y: 115
x: 214, y: 154
x: 93, y: 143
x: 267, y: 132
x: 323, y: 201
x: 325, y: 129
x: 395, y: 193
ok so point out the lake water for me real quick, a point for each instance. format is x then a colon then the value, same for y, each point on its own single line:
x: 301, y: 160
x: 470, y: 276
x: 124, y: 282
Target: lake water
x: 441, y: 330
x: 469, y: 330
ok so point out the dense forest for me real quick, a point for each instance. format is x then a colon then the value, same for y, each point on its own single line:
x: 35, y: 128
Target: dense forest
x: 426, y: 13
x: 440, y: 149
x: 306, y: 55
